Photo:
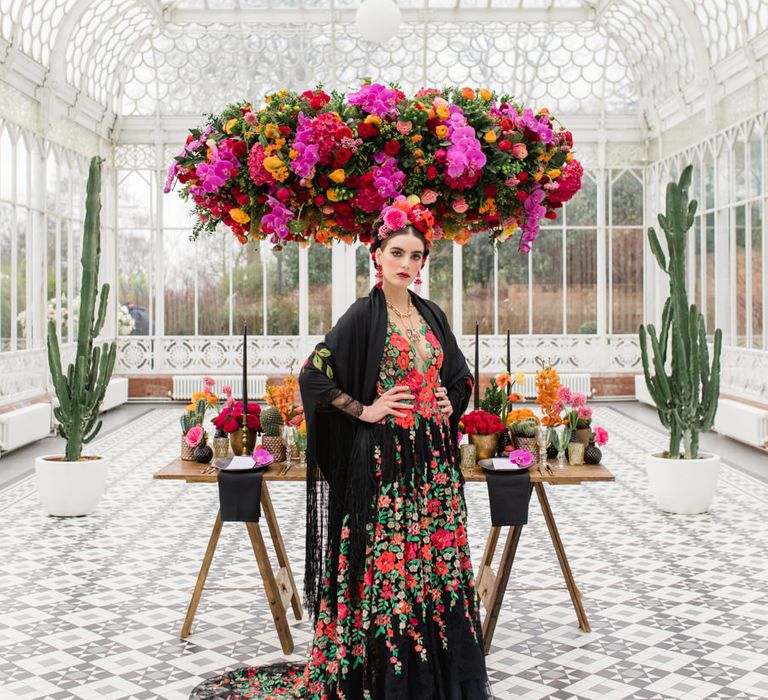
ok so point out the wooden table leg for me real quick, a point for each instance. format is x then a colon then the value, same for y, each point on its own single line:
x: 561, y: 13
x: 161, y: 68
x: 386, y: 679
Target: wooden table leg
x: 270, y: 587
x: 581, y: 615
x: 493, y: 606
x: 284, y: 578
x: 485, y: 576
x: 204, y: 568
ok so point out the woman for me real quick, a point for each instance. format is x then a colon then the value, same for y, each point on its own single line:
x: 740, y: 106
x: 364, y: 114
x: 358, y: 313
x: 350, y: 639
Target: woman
x: 388, y: 578
x: 396, y: 607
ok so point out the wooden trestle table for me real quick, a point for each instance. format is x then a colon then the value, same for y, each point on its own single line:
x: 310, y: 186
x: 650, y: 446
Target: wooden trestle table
x: 281, y: 588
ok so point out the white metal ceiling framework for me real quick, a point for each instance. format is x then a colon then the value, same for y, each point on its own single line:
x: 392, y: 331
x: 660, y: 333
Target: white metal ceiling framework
x: 146, y: 57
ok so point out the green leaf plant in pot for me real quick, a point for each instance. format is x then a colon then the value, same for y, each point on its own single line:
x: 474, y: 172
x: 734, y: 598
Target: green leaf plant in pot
x: 72, y: 484
x: 682, y: 381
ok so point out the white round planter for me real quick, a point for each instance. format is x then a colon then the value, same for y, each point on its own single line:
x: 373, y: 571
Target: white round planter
x: 71, y: 488
x: 683, y: 486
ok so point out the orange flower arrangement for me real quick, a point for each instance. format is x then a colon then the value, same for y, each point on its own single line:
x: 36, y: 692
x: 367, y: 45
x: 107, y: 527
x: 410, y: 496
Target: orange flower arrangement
x: 547, y: 385
x: 283, y: 397
x: 521, y: 414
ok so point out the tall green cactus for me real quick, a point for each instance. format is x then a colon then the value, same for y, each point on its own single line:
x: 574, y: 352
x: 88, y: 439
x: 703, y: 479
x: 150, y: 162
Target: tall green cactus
x: 81, y: 390
x: 685, y: 389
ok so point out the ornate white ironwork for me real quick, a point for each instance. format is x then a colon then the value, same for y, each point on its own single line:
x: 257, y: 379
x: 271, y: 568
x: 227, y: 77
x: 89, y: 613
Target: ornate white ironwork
x: 275, y: 354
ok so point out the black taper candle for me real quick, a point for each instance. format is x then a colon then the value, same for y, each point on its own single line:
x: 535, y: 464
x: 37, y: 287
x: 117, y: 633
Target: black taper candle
x: 245, y: 386
x: 509, y: 365
x: 477, y: 365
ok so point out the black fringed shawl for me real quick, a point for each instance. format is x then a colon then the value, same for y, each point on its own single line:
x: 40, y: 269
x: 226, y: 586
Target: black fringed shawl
x: 340, y: 474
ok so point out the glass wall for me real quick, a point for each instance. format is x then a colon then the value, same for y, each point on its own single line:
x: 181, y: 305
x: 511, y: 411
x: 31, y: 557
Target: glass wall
x: 727, y: 248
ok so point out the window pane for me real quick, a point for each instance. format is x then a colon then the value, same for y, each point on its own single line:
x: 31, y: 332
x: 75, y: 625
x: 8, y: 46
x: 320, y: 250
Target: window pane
x: 319, y: 289
x: 582, y: 209
x: 134, y: 201
x: 247, y: 289
x: 547, y: 263
x: 513, y: 287
x: 363, y: 271
x: 22, y: 172
x: 477, y: 271
x: 709, y: 180
x: 51, y: 262
x: 581, y: 269
x: 134, y: 270
x: 213, y: 283
x: 626, y: 201
x: 724, y: 176
x: 21, y: 277
x: 758, y: 282
x: 626, y: 280
x: 6, y: 222
x: 65, y: 301
x: 6, y: 166
x: 283, y: 291
x: 741, y: 277
x: 440, y: 267
x: 710, y: 276
x: 740, y: 170
x: 755, y: 165
x: 179, y: 284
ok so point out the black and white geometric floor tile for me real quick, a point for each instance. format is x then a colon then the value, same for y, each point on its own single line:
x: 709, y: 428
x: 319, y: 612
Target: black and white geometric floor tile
x: 92, y: 607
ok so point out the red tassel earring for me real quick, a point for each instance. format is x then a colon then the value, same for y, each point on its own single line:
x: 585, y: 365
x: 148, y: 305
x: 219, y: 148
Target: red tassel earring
x: 379, y: 275
x: 417, y: 283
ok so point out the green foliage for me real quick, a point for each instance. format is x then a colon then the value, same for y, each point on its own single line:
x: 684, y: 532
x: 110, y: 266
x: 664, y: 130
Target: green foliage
x: 572, y: 418
x: 81, y: 390
x: 684, y: 385
x: 494, y: 400
x: 271, y: 421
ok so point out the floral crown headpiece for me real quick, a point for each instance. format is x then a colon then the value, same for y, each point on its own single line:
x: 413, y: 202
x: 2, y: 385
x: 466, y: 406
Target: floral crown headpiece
x: 400, y: 214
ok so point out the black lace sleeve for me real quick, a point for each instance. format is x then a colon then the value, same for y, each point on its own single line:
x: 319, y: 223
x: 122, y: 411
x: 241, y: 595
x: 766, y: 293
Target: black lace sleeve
x: 344, y: 402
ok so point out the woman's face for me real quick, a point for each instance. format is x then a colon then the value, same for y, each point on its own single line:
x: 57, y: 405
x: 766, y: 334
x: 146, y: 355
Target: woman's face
x: 401, y: 258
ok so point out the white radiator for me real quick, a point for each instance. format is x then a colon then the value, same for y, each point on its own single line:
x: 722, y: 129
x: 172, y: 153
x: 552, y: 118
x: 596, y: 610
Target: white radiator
x: 24, y: 425
x: 575, y: 382
x: 116, y: 393
x: 742, y: 422
x: 641, y: 390
x: 184, y: 385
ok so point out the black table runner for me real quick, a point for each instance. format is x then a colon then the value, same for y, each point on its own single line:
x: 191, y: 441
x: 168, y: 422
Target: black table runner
x: 240, y: 495
x: 508, y: 494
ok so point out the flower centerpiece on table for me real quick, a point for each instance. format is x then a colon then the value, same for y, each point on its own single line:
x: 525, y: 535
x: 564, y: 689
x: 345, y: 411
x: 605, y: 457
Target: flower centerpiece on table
x: 483, y: 429
x: 572, y: 405
x: 499, y: 398
x: 547, y: 388
x: 194, y: 436
x: 318, y: 166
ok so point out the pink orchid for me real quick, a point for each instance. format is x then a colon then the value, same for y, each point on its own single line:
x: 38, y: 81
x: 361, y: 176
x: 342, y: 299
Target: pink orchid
x: 522, y: 458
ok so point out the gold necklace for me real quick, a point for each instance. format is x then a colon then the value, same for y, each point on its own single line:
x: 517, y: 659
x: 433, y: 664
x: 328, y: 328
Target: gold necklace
x: 410, y: 331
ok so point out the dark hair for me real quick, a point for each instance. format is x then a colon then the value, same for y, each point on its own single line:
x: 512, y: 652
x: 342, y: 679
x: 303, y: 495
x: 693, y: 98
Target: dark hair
x: 381, y: 243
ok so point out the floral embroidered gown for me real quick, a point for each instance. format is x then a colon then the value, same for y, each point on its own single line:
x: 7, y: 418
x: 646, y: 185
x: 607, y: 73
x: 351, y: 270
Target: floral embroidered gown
x: 413, y: 632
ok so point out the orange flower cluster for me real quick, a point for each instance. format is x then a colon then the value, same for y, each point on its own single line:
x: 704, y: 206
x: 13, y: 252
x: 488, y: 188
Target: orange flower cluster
x: 521, y: 414
x: 547, y: 385
x: 209, y: 397
x: 283, y: 397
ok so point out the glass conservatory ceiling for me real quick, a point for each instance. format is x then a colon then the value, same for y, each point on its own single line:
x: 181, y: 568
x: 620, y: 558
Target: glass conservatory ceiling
x: 144, y: 57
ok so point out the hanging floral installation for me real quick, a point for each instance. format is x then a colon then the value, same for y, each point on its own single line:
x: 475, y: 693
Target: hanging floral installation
x: 314, y: 166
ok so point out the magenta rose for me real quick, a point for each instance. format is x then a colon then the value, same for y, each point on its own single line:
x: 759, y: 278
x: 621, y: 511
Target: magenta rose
x: 395, y: 219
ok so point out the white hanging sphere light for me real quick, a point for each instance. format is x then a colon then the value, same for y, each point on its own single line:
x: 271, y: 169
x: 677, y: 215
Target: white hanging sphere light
x: 378, y: 20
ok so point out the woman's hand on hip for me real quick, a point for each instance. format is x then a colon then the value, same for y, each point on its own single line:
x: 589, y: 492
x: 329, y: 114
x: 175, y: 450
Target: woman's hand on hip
x: 443, y: 401
x: 390, y: 403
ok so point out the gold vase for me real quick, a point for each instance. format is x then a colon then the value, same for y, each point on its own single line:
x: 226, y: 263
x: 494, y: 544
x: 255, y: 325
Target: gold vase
x: 485, y: 445
x: 583, y: 435
x: 236, y: 440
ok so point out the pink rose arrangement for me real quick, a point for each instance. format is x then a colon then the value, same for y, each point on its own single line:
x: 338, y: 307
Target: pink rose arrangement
x: 574, y: 406
x: 314, y: 166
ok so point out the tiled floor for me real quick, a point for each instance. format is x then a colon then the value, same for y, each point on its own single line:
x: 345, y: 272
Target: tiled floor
x: 92, y: 607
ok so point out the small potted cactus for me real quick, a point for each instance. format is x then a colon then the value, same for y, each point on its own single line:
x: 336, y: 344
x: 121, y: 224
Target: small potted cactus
x: 684, y: 384
x: 73, y: 484
x: 272, y: 427
x: 524, y: 434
